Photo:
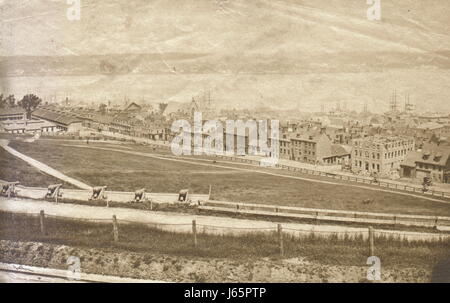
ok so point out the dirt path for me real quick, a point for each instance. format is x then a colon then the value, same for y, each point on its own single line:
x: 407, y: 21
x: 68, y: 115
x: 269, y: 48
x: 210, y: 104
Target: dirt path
x: 193, y: 161
x: 43, y: 167
x: 178, y: 222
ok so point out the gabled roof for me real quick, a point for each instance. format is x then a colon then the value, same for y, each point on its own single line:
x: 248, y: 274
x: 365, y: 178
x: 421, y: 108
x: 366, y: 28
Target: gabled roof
x: 132, y: 104
x: 430, y: 154
x: 312, y: 135
x: 11, y: 111
x: 339, y: 150
x: 55, y: 116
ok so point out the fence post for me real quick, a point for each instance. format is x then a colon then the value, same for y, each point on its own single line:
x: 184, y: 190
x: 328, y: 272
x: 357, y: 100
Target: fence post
x: 371, y: 242
x: 115, y: 229
x: 436, y: 222
x: 42, y: 221
x: 209, y: 194
x: 280, y: 239
x: 194, y: 232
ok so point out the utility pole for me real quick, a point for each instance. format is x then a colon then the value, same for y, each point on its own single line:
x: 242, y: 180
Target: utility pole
x: 409, y: 107
x: 393, y: 103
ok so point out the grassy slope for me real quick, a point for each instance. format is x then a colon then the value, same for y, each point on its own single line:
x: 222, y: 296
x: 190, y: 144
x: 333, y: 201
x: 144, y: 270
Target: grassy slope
x: 125, y: 172
x: 13, y: 169
x: 141, y: 238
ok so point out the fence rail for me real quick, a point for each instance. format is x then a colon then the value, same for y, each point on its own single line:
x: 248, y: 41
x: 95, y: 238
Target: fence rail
x: 343, y: 177
x: 325, y: 214
x: 278, y: 231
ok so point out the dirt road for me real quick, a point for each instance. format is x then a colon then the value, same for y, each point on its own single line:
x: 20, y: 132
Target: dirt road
x: 181, y: 222
x: 16, y: 273
x: 43, y: 167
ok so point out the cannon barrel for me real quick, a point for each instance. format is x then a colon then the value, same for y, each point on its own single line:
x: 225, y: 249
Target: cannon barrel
x: 98, y: 191
x: 183, y: 195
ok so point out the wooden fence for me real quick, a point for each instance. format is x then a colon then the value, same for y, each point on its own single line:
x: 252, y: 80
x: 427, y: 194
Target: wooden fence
x: 338, y: 176
x: 325, y: 214
x: 369, y: 234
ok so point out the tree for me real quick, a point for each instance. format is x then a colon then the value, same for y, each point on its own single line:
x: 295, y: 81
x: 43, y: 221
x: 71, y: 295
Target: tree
x: 11, y: 101
x: 162, y: 108
x: 2, y: 101
x: 102, y: 108
x: 29, y: 103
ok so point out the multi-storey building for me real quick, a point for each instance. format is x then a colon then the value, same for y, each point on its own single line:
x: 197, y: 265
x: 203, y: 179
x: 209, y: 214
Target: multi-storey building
x: 380, y: 154
x: 432, y: 161
x: 310, y: 148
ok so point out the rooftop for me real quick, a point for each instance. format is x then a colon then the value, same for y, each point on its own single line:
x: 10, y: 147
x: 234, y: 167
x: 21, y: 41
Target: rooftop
x: 384, y: 139
x: 7, y: 111
x: 430, y: 154
x: 430, y: 126
x: 55, y: 116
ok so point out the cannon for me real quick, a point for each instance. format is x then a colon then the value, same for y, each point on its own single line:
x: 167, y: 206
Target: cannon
x: 183, y: 195
x: 54, y: 191
x: 9, y: 189
x: 139, y: 195
x: 98, y: 193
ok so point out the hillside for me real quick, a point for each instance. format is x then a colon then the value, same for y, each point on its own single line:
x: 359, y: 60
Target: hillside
x: 302, y: 52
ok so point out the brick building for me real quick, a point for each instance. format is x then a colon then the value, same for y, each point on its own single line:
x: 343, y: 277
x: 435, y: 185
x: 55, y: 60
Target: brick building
x: 380, y: 154
x: 314, y: 148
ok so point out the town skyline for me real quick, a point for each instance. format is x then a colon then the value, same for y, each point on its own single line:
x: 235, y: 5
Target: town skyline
x: 245, y: 52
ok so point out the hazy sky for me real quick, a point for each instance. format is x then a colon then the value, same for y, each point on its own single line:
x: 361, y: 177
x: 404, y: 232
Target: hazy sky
x: 279, y: 53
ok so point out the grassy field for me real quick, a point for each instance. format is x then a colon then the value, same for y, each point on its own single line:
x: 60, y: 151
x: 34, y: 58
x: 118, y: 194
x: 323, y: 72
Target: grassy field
x: 14, y: 169
x: 141, y: 238
x: 121, y: 171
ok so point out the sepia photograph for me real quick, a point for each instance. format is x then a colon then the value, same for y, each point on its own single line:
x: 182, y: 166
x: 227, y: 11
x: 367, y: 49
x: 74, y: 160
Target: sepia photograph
x: 225, y: 142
